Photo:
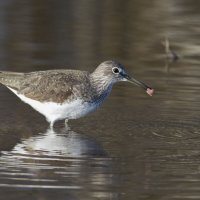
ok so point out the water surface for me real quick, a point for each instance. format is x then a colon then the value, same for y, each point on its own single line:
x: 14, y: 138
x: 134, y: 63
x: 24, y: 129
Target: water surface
x: 135, y: 146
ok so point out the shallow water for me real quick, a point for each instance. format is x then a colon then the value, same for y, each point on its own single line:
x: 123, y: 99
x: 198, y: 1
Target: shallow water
x: 134, y: 146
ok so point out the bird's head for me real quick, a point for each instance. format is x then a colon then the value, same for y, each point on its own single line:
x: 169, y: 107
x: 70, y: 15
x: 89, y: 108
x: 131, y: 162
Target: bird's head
x: 112, y: 72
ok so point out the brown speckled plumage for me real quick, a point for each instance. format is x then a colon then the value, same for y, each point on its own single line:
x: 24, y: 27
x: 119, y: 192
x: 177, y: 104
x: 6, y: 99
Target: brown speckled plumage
x: 60, y: 85
x: 48, y: 86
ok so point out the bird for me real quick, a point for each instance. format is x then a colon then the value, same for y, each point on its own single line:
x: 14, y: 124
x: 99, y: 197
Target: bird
x: 65, y: 94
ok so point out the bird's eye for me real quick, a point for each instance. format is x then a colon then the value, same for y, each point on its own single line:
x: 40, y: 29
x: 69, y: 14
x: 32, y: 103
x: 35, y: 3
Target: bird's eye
x: 115, y: 70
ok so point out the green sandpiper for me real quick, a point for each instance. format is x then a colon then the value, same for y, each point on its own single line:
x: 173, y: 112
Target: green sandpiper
x: 67, y: 94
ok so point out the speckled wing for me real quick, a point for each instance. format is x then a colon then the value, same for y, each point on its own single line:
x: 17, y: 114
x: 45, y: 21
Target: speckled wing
x: 11, y: 79
x: 46, y: 86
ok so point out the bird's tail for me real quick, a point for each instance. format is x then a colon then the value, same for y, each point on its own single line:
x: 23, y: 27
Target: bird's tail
x: 10, y: 79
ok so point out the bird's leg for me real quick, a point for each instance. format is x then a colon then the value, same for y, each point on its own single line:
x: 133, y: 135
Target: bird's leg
x: 51, y: 124
x: 66, y: 125
x: 66, y: 122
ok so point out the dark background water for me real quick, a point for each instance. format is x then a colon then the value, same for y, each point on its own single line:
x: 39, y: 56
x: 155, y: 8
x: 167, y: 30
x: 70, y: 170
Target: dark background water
x: 135, y: 146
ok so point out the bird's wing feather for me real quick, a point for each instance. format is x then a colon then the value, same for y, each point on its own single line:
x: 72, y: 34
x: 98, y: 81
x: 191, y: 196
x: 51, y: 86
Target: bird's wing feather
x: 11, y: 79
x: 46, y: 86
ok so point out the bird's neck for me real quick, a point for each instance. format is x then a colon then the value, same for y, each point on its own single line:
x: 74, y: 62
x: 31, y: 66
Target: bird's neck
x: 101, y: 85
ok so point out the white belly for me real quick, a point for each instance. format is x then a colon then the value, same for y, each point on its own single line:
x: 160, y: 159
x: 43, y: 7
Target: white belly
x: 55, y: 111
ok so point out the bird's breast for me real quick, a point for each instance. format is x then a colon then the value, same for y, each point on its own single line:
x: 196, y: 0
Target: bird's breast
x: 101, y: 95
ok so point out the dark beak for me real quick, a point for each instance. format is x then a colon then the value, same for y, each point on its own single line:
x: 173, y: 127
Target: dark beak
x: 148, y: 89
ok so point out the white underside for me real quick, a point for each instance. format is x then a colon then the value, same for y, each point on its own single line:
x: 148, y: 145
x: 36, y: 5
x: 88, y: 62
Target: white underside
x: 55, y: 111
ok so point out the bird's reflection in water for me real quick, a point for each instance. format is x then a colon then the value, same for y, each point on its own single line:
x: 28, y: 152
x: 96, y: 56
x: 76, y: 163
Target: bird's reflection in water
x: 61, y: 161
x: 60, y: 142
